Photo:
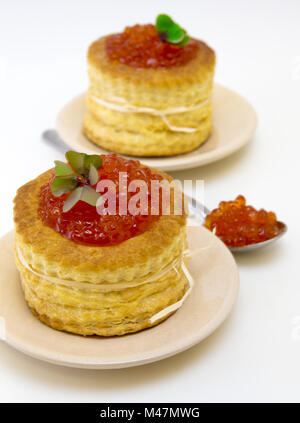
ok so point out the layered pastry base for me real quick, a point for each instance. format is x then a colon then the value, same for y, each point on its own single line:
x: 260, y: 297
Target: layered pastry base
x: 98, y: 275
x: 148, y: 97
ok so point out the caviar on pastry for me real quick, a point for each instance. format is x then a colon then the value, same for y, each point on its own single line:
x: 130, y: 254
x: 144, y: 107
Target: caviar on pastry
x: 150, y: 91
x: 82, y: 223
x: 139, y: 46
x: 109, y: 281
x: 238, y: 224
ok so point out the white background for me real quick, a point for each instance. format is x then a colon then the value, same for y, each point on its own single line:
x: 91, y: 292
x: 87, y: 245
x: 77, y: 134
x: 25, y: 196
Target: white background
x: 255, y: 355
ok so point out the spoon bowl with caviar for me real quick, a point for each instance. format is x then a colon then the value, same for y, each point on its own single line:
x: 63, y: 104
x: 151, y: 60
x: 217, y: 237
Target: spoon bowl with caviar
x: 241, y: 227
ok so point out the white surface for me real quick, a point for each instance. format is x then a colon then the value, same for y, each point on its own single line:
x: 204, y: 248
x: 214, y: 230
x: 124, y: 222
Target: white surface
x: 254, y: 356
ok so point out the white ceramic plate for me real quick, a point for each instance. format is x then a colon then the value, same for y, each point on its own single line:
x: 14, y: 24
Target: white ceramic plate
x: 234, y: 121
x: 215, y: 292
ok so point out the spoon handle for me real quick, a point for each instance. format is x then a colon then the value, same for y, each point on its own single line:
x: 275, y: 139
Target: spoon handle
x: 52, y: 138
x: 197, y: 211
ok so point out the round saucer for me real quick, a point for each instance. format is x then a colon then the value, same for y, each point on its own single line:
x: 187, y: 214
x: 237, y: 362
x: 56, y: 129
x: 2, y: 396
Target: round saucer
x: 214, y: 294
x: 234, y: 121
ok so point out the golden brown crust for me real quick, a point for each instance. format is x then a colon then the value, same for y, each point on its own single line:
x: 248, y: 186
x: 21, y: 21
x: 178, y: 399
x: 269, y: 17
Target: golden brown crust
x: 68, y: 301
x: 143, y: 141
x: 94, y: 329
x: 42, y: 243
x: 93, y: 313
x: 194, y: 69
x: 136, y: 132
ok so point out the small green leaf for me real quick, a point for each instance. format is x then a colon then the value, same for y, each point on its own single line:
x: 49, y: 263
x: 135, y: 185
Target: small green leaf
x: 184, y: 41
x: 169, y: 31
x: 163, y: 23
x: 81, y: 162
x: 62, y: 169
x: 175, y: 34
x: 84, y: 193
x: 82, y: 169
x: 89, y: 195
x: 93, y: 175
x: 63, y: 185
x: 76, y: 161
x: 92, y: 159
x: 73, y: 199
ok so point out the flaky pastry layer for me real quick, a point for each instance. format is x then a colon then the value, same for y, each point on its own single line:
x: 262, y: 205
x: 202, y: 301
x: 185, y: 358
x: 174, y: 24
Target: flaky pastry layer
x: 107, y: 313
x: 86, y: 310
x: 143, y: 134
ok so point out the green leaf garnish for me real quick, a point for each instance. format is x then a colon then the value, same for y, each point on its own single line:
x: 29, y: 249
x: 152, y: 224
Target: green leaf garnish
x: 76, y: 161
x: 163, y: 23
x: 76, y: 177
x: 84, y: 193
x: 169, y: 31
x: 81, y: 162
x: 62, y: 169
x: 175, y: 34
x: 89, y: 195
x: 184, y: 41
x: 93, y: 175
x: 63, y: 185
x: 94, y: 160
x: 73, y: 198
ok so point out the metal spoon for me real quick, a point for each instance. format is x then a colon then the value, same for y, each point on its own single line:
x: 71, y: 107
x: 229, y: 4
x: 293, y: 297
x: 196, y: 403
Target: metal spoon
x: 197, y: 211
x: 53, y: 139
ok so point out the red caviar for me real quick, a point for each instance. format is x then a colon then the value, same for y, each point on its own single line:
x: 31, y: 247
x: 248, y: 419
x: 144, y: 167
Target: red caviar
x: 238, y: 224
x: 139, y: 46
x: 83, y: 224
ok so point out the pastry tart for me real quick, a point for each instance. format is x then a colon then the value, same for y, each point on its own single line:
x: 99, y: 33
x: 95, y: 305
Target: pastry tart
x: 148, y: 96
x: 97, y: 274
